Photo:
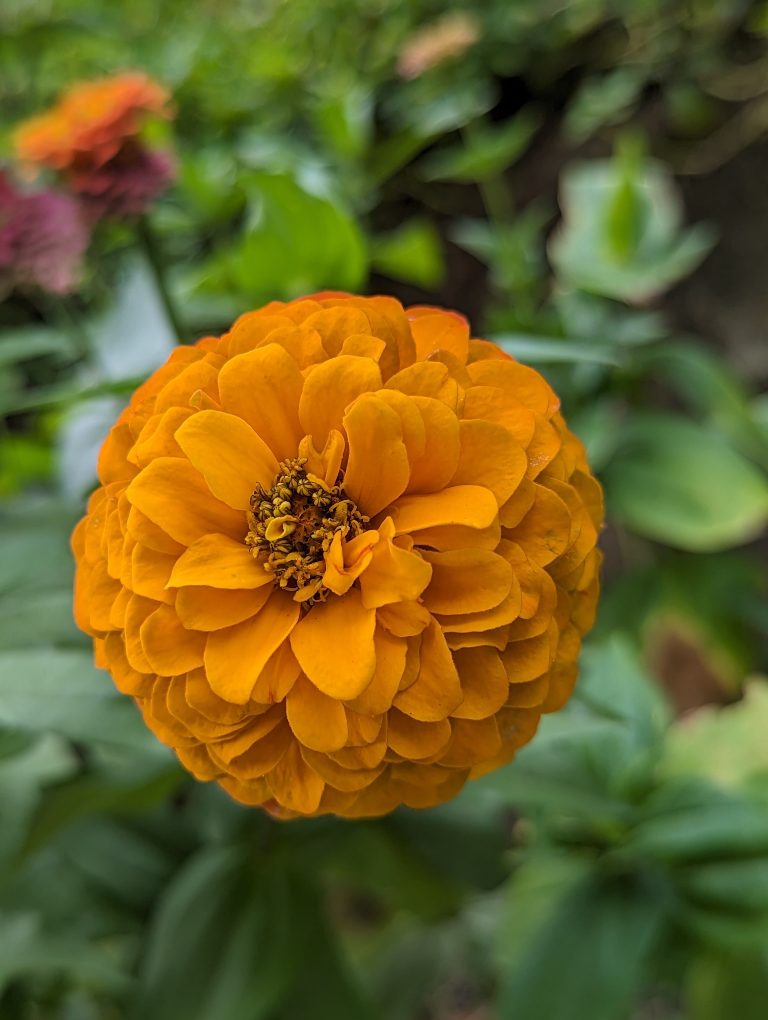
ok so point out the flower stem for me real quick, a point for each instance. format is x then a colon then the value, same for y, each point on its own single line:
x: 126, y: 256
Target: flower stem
x: 151, y: 248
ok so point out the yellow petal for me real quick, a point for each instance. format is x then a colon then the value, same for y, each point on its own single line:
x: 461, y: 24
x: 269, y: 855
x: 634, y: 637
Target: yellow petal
x: 484, y: 682
x: 470, y: 505
x: 263, y: 387
x: 234, y: 657
x: 334, y: 645
x: 467, y: 581
x: 330, y: 388
x: 170, y: 649
x: 325, y: 463
x: 174, y: 496
x: 436, y: 692
x: 229, y: 455
x: 202, y: 608
x: 377, y: 468
x: 317, y: 721
x: 219, y: 562
x: 404, y: 619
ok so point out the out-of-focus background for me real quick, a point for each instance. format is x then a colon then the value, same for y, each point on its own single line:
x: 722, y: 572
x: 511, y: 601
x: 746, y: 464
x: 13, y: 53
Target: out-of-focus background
x: 585, y: 180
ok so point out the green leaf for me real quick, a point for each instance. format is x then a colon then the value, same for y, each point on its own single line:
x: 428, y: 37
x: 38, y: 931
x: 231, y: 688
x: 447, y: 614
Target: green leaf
x: 235, y: 935
x: 724, y: 744
x: 486, y: 152
x: 621, y: 234
x: 590, y: 958
x: 731, y: 984
x: 62, y: 691
x: 690, y: 822
x: 28, y: 342
x: 545, y: 350
x: 411, y: 253
x: 681, y: 483
x: 294, y: 242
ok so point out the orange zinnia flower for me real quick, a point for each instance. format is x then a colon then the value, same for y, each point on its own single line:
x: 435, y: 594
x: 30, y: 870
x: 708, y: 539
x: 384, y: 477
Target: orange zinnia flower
x: 91, y: 137
x: 342, y: 556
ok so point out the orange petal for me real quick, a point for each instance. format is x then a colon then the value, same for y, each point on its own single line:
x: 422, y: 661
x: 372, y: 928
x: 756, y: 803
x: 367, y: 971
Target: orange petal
x: 317, y: 721
x: 467, y: 581
x: 492, y: 404
x: 170, y: 649
x: 437, y: 464
x: 394, y: 574
x: 473, y: 506
x: 347, y: 779
x: 336, y: 324
x: 545, y: 530
x: 330, y: 388
x: 473, y: 741
x: 228, y: 454
x: 390, y: 665
x: 528, y: 659
x: 234, y: 657
x: 202, y: 608
x: 377, y: 468
x: 294, y: 784
x: 278, y: 676
x: 490, y: 456
x: 439, y: 330
x: 263, y: 387
x: 219, y: 562
x: 346, y: 561
x: 334, y: 645
x: 404, y: 619
x: 262, y: 756
x: 523, y: 383
x: 436, y: 692
x: 174, y: 496
x: 413, y: 739
x: 150, y: 571
x: 484, y: 682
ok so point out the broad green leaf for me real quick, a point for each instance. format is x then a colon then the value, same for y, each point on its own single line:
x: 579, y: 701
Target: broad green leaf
x: 411, y: 253
x: 485, y: 153
x: 545, y: 350
x: 621, y: 237
x: 62, y: 691
x: 293, y: 243
x: 691, y: 822
x: 590, y: 958
x: 28, y: 342
x: 727, y: 745
x: 604, y: 100
x: 731, y: 984
x: 681, y: 483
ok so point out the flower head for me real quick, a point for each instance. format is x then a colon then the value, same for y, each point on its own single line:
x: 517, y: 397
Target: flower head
x: 342, y: 556
x: 42, y: 239
x: 92, y: 138
x: 439, y: 41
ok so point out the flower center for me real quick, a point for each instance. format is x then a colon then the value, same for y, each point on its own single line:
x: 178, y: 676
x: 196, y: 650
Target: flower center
x: 291, y: 527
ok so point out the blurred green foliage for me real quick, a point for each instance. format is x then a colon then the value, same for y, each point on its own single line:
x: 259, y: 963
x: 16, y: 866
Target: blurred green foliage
x: 619, y: 867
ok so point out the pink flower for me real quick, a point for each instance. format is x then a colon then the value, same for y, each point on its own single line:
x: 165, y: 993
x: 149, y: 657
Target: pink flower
x: 42, y: 239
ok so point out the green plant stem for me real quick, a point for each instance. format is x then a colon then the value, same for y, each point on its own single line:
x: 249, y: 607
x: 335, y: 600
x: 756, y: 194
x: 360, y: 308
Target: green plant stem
x: 151, y: 248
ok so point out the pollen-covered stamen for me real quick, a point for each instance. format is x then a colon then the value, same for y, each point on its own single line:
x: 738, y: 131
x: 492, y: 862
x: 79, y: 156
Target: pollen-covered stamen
x: 291, y: 526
